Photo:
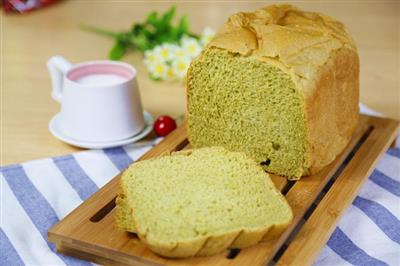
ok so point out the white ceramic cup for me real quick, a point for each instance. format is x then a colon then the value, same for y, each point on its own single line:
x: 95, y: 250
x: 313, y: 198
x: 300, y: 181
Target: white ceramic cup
x: 100, y: 100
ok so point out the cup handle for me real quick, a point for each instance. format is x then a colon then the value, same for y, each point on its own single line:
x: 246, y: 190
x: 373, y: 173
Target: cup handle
x: 57, y: 66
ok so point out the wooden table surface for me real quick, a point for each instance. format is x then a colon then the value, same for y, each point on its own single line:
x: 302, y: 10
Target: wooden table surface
x: 27, y: 41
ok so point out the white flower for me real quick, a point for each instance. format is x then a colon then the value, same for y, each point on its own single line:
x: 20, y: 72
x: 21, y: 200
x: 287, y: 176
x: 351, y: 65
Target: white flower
x: 150, y: 57
x: 158, y: 69
x: 180, y: 66
x: 165, y: 51
x: 171, y: 74
x: 191, y: 46
x: 207, y: 35
x: 180, y: 52
x: 171, y: 61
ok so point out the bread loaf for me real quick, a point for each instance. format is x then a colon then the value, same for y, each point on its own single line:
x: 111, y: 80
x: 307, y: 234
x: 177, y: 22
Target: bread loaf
x: 281, y: 85
x: 200, y: 202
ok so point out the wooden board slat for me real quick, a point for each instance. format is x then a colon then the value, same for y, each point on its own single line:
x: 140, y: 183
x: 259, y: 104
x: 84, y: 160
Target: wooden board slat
x: 313, y: 235
x: 90, y: 232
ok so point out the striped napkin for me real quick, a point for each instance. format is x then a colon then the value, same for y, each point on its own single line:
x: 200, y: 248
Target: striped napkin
x: 35, y: 195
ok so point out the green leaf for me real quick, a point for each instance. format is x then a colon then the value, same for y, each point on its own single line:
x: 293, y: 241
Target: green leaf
x: 166, y: 38
x: 167, y: 17
x: 183, y: 26
x: 154, y: 78
x: 196, y: 36
x: 117, y: 51
x: 137, y: 28
x: 141, y: 42
x: 152, y: 18
x: 147, y: 33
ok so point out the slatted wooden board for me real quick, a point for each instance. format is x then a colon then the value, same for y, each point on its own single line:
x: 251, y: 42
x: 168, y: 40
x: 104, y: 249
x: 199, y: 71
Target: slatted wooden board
x: 318, y: 202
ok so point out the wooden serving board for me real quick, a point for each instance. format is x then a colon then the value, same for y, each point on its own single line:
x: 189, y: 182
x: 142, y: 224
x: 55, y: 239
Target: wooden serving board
x: 318, y: 202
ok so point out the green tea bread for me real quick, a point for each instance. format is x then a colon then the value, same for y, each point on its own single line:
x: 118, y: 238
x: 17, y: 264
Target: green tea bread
x: 200, y: 202
x: 279, y: 84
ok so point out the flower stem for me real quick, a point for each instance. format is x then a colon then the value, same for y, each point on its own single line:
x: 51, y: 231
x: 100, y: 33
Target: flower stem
x: 98, y: 30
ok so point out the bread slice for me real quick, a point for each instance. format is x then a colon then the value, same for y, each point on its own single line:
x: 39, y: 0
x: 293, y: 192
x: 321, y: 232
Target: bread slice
x: 200, y: 202
x: 281, y: 85
x: 123, y: 214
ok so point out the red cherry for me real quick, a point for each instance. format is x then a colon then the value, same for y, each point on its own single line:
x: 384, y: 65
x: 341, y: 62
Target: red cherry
x: 164, y: 125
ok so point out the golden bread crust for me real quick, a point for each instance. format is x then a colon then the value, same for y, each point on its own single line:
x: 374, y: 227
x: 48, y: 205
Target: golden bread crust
x: 301, y: 41
x: 332, y: 111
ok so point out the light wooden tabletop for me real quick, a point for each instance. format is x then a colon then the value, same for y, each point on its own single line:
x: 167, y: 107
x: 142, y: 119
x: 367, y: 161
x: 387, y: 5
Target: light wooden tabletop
x: 27, y: 41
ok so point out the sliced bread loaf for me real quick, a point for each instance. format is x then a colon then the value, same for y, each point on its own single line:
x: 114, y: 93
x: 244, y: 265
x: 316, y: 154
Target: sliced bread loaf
x: 279, y: 84
x: 200, y: 202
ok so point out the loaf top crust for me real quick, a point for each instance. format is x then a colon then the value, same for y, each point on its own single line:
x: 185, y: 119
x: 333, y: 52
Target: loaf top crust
x: 297, y: 41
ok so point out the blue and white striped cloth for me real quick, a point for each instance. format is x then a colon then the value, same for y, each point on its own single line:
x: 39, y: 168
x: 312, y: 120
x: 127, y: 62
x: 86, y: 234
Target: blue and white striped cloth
x: 35, y: 195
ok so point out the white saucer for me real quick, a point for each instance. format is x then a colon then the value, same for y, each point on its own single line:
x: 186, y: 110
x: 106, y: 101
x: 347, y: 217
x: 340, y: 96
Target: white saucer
x: 54, y: 127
